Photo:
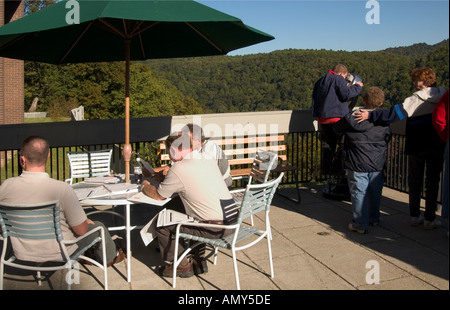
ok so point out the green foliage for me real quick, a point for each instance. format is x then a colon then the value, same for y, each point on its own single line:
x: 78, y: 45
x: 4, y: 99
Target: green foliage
x: 100, y: 88
x: 32, y: 6
x: 417, y: 49
x: 281, y: 80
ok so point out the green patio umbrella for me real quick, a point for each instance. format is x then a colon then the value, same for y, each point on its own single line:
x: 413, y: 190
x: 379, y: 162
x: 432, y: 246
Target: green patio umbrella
x: 124, y: 30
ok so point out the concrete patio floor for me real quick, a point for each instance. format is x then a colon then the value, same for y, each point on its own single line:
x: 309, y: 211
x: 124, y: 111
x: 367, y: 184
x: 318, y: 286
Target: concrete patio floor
x: 312, y: 250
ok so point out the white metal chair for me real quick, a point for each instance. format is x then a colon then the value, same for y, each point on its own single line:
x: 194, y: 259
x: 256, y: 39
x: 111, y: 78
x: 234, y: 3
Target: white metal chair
x: 41, y: 221
x: 257, y: 198
x: 262, y: 165
x: 89, y: 164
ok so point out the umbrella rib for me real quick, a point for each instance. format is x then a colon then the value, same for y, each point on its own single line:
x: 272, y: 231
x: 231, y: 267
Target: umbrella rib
x: 111, y: 28
x: 12, y: 42
x: 142, y: 45
x: 135, y: 28
x: 74, y: 43
x: 205, y: 37
x: 140, y: 30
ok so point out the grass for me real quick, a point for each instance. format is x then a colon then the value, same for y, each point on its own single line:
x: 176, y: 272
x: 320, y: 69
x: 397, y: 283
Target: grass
x: 46, y: 120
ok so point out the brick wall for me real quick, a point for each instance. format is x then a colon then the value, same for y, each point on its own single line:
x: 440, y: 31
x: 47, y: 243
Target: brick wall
x: 11, y: 71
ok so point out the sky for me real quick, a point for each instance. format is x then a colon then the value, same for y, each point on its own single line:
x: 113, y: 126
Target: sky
x: 340, y: 24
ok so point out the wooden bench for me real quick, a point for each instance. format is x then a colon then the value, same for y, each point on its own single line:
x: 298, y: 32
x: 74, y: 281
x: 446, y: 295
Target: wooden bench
x: 241, y: 153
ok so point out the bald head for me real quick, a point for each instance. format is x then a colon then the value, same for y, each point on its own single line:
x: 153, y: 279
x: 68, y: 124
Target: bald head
x: 35, y: 151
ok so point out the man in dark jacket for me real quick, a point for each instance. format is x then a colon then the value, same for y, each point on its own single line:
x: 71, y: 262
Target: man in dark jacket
x: 329, y: 104
x: 365, y: 147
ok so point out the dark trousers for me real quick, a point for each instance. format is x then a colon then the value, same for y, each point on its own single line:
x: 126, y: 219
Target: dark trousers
x: 428, y: 164
x: 166, y: 239
x: 331, y: 161
x: 111, y: 249
x: 166, y: 235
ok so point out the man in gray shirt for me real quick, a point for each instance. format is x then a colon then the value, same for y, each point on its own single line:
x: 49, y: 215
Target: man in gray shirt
x: 196, y: 178
x: 35, y: 185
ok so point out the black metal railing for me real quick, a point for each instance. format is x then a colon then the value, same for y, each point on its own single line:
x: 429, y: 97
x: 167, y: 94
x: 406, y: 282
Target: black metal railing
x: 303, y: 147
x: 303, y: 151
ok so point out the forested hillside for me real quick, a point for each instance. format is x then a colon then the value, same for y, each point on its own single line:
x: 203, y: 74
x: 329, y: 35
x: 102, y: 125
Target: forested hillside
x: 280, y: 80
x: 284, y: 79
x: 415, y: 49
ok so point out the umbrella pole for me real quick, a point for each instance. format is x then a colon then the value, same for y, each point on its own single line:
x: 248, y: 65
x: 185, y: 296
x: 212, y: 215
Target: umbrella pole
x: 127, y: 147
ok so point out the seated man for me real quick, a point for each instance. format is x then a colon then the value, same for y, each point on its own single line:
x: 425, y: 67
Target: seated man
x: 200, y: 143
x: 35, y: 185
x: 198, y: 181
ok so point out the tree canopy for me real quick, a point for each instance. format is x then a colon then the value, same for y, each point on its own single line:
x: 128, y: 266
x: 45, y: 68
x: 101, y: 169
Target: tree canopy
x: 281, y: 80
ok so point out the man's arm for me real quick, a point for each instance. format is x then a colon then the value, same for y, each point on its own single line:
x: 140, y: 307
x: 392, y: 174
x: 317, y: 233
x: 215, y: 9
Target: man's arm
x: 382, y: 117
x: 344, y: 92
x: 151, y: 191
x: 81, y: 229
x: 348, y: 123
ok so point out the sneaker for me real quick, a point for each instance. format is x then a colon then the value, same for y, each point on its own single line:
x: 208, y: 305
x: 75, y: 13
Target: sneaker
x: 183, y: 271
x: 359, y: 231
x: 431, y: 224
x: 417, y: 220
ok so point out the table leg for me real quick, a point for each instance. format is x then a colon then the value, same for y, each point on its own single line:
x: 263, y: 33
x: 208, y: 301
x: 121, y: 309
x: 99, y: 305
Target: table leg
x: 128, y: 237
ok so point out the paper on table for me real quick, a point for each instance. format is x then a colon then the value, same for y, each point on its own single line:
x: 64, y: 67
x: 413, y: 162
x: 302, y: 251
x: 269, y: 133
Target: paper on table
x: 91, y: 192
x: 142, y: 198
x: 102, y: 179
x: 122, y: 188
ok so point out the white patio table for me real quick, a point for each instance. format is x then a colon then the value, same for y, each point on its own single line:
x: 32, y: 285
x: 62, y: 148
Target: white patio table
x: 115, y: 198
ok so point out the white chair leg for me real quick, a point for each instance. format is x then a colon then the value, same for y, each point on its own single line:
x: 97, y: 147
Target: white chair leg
x: 38, y: 275
x: 216, y: 250
x: 270, y: 255
x: 236, y: 274
x: 1, y: 277
x: 175, y: 258
x: 105, y: 263
x: 269, y: 228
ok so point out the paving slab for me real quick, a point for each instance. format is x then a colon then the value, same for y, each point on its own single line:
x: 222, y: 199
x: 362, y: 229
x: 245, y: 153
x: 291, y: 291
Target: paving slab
x: 312, y: 250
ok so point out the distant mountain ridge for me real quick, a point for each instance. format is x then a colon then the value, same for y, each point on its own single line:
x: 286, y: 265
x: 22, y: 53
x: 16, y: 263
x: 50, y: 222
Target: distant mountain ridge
x: 415, y: 49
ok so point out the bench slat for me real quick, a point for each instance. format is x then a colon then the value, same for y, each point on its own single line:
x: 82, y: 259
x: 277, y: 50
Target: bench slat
x: 254, y: 150
x: 248, y: 140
